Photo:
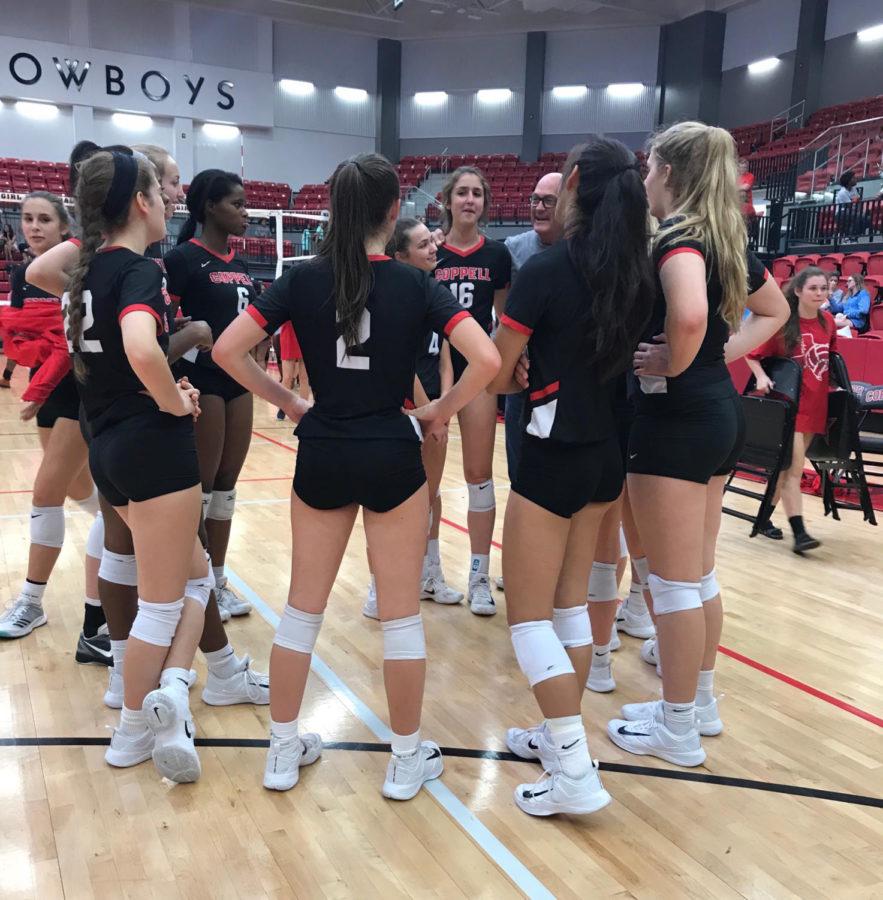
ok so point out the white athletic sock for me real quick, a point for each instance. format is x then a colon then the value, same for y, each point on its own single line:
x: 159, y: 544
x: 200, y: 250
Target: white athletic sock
x: 479, y: 564
x: 567, y: 734
x: 405, y: 744
x: 600, y: 656
x: 32, y: 592
x: 679, y: 717
x: 91, y: 601
x: 283, y: 731
x: 432, y: 551
x: 118, y: 649
x: 705, y: 688
x: 636, y: 602
x: 220, y: 577
x: 178, y: 680
x: 132, y: 721
x: 223, y: 663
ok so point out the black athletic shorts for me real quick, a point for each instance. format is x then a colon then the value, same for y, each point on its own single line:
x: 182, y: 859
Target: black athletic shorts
x: 378, y: 474
x: 62, y: 403
x: 694, y: 442
x: 563, y: 478
x: 145, y: 456
x: 209, y: 381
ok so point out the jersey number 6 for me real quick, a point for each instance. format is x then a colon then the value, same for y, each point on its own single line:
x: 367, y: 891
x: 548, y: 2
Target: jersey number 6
x: 88, y: 321
x: 349, y: 361
x: 242, y: 301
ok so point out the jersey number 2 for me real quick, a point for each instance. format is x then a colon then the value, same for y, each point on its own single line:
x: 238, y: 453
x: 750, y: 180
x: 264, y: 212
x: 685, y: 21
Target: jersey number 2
x: 349, y: 361
x: 463, y: 293
x: 91, y: 346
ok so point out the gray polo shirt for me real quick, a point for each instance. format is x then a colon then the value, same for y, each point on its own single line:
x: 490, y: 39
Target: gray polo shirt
x: 522, y: 247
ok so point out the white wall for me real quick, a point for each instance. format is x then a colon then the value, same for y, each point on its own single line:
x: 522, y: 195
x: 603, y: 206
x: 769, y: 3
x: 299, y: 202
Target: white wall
x: 598, y: 111
x: 845, y: 16
x: 29, y: 139
x: 762, y: 29
x: 603, y: 56
x: 105, y: 131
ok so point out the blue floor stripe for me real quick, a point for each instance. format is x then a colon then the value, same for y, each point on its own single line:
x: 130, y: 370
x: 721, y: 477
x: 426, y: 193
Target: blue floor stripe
x: 514, y: 868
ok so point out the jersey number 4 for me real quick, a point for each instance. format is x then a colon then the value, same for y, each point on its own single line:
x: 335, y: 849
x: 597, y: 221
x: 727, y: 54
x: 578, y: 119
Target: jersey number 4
x: 90, y: 346
x: 463, y: 293
x: 349, y: 361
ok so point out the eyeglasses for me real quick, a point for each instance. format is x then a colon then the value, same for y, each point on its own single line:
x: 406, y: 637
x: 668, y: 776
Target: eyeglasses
x: 546, y: 200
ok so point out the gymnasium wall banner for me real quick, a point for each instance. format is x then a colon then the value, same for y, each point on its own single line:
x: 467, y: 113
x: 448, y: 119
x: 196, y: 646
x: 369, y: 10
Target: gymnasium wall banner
x: 62, y: 73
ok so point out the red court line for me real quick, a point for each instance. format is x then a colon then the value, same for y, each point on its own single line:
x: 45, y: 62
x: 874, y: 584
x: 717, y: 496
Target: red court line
x: 23, y: 491
x: 733, y: 654
x: 266, y: 437
x: 275, y: 478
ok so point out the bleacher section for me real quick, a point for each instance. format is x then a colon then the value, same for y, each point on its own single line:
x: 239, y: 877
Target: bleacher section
x: 870, y: 265
x: 19, y: 176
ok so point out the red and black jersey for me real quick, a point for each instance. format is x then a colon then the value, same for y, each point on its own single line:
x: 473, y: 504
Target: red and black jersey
x: 209, y: 288
x: 118, y: 282
x: 359, y: 393
x: 708, y: 368
x: 550, y: 303
x: 428, y: 364
x: 22, y: 293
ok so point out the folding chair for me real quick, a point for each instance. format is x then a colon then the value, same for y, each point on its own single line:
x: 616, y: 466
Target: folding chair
x: 769, y: 436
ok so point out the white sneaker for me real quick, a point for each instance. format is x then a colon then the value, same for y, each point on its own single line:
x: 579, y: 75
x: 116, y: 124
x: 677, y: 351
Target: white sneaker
x: 243, y: 686
x: 557, y: 793
x: 480, y: 600
x: 615, y: 642
x: 499, y: 584
x: 639, y: 625
x: 234, y: 605
x: 707, y: 718
x: 113, y: 696
x: 533, y: 743
x: 651, y: 738
x: 284, y: 759
x: 223, y: 611
x: 174, y: 753
x: 650, y: 655
x: 405, y: 774
x: 369, y: 607
x: 127, y: 750
x: 21, y: 618
x: 601, y: 679
x: 435, y: 588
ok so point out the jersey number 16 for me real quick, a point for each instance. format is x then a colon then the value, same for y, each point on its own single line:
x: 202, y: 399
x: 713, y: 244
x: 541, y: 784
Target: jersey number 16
x: 463, y: 293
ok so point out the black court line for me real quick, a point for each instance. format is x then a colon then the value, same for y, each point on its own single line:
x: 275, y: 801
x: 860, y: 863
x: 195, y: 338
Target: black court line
x: 500, y: 756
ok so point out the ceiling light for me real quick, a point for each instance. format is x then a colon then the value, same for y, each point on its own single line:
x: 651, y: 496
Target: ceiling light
x: 42, y: 111
x: 494, y: 95
x: 437, y: 12
x: 351, y: 95
x: 222, y: 132
x: 132, y: 122
x: 874, y: 33
x: 298, y: 88
x: 569, y: 91
x: 625, y: 89
x: 430, y: 98
x: 763, y: 65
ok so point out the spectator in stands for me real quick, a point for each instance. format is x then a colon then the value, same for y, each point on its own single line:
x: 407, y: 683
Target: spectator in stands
x: 849, y: 219
x: 835, y: 295
x: 544, y: 232
x: 746, y: 183
x: 854, y: 306
x: 306, y: 242
x: 847, y: 192
x: 7, y: 241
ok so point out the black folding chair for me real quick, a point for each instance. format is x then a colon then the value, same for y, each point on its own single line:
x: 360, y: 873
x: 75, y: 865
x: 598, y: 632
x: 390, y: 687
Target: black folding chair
x: 769, y: 436
x: 837, y: 454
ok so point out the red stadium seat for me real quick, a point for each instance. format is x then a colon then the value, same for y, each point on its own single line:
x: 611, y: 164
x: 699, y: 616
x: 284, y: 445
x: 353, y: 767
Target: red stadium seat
x: 802, y: 262
x: 875, y: 265
x: 854, y: 263
x: 783, y: 267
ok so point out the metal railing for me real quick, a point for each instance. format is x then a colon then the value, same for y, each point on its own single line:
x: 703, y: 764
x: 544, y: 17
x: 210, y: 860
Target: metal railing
x: 787, y: 120
x: 832, y: 226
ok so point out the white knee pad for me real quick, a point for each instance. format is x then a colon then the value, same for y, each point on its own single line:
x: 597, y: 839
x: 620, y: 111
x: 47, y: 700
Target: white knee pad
x: 298, y: 630
x: 602, y: 583
x: 481, y: 496
x: 572, y: 626
x: 95, y: 539
x: 673, y: 596
x: 118, y: 568
x: 642, y: 569
x: 156, y: 622
x: 623, y: 545
x: 47, y: 526
x: 222, y: 505
x: 404, y: 638
x: 206, y: 502
x: 709, y: 587
x: 90, y: 504
x: 539, y: 652
x: 199, y: 589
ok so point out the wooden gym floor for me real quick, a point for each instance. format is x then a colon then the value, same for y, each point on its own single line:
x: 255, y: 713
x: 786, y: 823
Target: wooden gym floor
x: 789, y: 803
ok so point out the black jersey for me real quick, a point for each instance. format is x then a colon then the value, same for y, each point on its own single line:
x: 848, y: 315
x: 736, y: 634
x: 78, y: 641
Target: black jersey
x: 22, y: 292
x: 209, y: 288
x: 118, y: 282
x: 428, y: 364
x: 707, y: 375
x: 474, y: 275
x: 567, y: 400
x: 359, y: 394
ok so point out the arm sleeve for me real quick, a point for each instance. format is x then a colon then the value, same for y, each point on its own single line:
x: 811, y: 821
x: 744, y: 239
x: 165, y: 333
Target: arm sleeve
x: 671, y: 245
x: 863, y: 302
x: 273, y: 307
x: 526, y: 302
x: 757, y: 273
x: 176, y: 274
x: 836, y: 306
x: 141, y: 290
x: 503, y: 269
x: 443, y: 312
x: 48, y: 375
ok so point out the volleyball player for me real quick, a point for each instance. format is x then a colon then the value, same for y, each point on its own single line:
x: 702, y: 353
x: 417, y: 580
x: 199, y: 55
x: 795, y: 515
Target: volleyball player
x: 578, y: 308
x: 357, y: 448
x: 212, y: 284
x: 35, y: 335
x: 291, y: 363
x: 412, y: 244
x: 689, y: 425
x: 477, y: 271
